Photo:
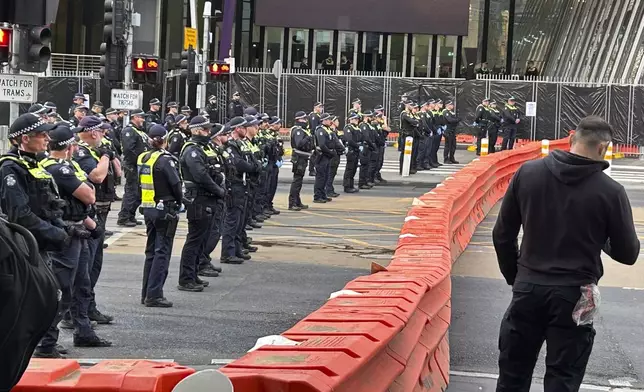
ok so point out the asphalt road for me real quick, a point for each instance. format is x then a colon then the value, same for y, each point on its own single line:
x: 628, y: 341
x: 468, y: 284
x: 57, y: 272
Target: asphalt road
x: 480, y: 297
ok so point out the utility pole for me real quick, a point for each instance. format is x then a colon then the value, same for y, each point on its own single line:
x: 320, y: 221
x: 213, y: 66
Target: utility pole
x: 205, y: 45
x: 127, y: 82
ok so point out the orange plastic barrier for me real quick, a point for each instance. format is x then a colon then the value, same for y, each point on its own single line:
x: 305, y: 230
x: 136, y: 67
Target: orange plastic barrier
x: 66, y: 375
x: 392, y: 334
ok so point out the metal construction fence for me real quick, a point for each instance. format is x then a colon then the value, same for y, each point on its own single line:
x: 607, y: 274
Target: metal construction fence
x: 560, y: 104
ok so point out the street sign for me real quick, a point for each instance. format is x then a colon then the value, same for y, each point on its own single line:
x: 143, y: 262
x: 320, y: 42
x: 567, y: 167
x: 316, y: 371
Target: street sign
x: 18, y: 88
x: 126, y: 99
x: 189, y: 38
x: 277, y: 68
x: 231, y: 62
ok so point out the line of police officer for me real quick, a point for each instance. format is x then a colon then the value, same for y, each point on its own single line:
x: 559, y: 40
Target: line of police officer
x: 491, y: 121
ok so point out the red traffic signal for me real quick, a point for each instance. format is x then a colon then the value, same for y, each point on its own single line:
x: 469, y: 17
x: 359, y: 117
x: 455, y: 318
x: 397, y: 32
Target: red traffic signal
x: 5, y: 38
x: 145, y: 69
x: 138, y: 64
x: 218, y: 68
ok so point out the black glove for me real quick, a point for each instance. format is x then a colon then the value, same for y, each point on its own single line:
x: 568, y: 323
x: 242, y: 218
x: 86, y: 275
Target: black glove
x: 106, y: 152
x: 221, y: 192
x: 78, y: 232
x: 97, y: 233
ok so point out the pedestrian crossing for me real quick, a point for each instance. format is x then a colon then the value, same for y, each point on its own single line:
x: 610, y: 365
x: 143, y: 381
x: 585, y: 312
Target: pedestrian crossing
x: 626, y: 174
x: 391, y: 166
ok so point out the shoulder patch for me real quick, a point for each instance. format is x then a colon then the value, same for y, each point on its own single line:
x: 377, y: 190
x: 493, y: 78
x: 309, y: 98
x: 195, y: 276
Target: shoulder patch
x: 321, y: 133
x: 65, y: 170
x: 81, y: 152
x: 172, y: 163
x: 298, y: 133
x: 194, y: 154
x: 10, y: 180
x: 127, y: 134
x: 230, y: 150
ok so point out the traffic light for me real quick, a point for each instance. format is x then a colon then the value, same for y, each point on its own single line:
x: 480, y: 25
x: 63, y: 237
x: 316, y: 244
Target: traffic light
x: 188, y: 60
x: 218, y: 70
x: 112, y: 63
x: 35, y: 52
x: 5, y: 44
x: 145, y: 69
x: 114, y: 21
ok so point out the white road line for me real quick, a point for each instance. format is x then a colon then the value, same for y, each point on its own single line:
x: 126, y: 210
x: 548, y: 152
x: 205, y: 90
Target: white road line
x: 118, y: 235
x: 221, y: 361
x: 615, y: 382
x: 633, y: 288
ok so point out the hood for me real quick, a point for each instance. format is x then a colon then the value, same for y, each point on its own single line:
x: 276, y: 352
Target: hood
x: 571, y: 168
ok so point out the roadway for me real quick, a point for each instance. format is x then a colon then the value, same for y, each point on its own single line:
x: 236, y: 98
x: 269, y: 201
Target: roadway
x: 481, y: 296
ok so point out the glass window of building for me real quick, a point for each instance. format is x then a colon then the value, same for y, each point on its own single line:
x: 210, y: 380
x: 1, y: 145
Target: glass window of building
x: 322, y: 51
x: 446, y: 57
x: 347, y: 42
x: 498, y: 36
x: 273, y: 45
x: 396, y: 52
x: 420, y: 55
x: 298, y: 49
x: 473, y: 42
x: 371, y: 52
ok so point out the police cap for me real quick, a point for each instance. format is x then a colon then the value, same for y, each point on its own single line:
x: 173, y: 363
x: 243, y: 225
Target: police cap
x: 137, y: 112
x: 92, y: 123
x: 186, y: 109
x: 334, y: 118
x: 157, y: 131
x: 180, y: 118
x: 215, y: 130
x: 250, y: 111
x: 449, y: 103
x: 50, y: 105
x: 81, y: 107
x: 379, y: 108
x: 236, y: 94
x: 439, y: 101
x: 353, y: 116
x: 236, y: 122
x: 356, y: 100
x: 79, y: 96
x: 37, y: 108
x: 212, y: 97
x: 199, y: 122
x: 486, y: 99
x: 263, y: 116
x: 251, y: 121
x: 300, y: 115
x: 367, y: 113
x: 98, y: 104
x: 155, y: 101
x: 28, y: 123
x: 318, y: 104
x: 511, y: 99
x: 110, y: 111
x: 325, y: 116
x: 62, y: 135
x: 274, y: 120
x: 172, y: 104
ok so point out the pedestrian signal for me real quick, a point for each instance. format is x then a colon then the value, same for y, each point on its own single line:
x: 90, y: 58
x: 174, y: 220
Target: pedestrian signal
x: 145, y: 69
x: 218, y: 70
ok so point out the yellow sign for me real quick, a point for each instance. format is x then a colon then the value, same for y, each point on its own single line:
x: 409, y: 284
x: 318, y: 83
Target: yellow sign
x: 189, y: 38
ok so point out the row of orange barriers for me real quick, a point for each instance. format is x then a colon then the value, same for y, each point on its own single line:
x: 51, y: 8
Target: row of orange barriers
x: 391, y: 335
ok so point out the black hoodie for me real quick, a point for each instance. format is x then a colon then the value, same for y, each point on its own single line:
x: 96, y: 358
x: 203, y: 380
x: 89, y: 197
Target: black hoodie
x: 570, y: 210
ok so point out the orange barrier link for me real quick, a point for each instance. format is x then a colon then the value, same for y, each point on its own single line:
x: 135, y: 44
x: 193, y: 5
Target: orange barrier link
x: 391, y: 333
x: 62, y: 375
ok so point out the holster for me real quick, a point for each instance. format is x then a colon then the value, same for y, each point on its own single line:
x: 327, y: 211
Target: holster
x: 173, y: 223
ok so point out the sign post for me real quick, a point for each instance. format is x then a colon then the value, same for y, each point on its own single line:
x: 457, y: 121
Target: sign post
x: 126, y: 99
x: 189, y: 38
x: 15, y: 88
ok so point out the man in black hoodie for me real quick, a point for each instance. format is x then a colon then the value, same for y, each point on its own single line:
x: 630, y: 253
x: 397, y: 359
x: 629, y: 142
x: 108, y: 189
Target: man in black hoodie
x: 570, y: 211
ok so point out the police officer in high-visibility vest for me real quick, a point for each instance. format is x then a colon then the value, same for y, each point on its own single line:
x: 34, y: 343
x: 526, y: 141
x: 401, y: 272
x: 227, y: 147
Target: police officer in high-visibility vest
x: 135, y: 141
x: 178, y: 135
x: 202, y: 195
x: 511, y: 116
x: 314, y: 122
x: 382, y: 126
x: 302, y: 145
x: 28, y: 195
x: 325, y: 154
x: 71, y: 265
x: 352, y: 138
x: 356, y: 108
x: 275, y: 154
x: 337, y: 145
x: 161, y: 201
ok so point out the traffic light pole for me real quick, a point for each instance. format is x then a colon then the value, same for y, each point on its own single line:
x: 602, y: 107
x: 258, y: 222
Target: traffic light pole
x: 127, y: 82
x: 14, y: 108
x: 201, y: 98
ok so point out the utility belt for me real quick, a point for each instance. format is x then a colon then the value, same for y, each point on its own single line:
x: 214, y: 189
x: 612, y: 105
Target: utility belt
x: 196, y: 191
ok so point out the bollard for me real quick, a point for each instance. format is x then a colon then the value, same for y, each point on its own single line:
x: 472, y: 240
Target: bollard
x: 409, y: 141
x: 609, y: 158
x: 545, y: 148
x: 641, y: 154
x: 484, y: 146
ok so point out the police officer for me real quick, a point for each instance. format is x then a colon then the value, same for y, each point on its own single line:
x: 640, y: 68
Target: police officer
x: 202, y: 195
x: 79, y: 112
x: 109, y: 139
x: 71, y: 265
x: 382, y: 126
x: 439, y: 127
x: 235, y: 108
x: 356, y: 108
x: 353, y: 141
x: 112, y: 116
x: 365, y: 155
x: 252, y: 152
x: 335, y: 144
x: 186, y: 111
x: 135, y: 142
x: 511, y: 116
x: 153, y: 116
x: 238, y: 166
x: 161, y: 197
x: 212, y: 109
x: 481, y: 120
x: 450, y: 133
x: 79, y: 99
x: 314, y: 122
x: 325, y: 154
x: 99, y: 164
x: 276, y: 153
x: 302, y: 145
x: 494, y: 123
x: 424, y: 135
x: 178, y: 135
x: 52, y: 114
x: 409, y: 124
x: 97, y: 108
x: 170, y: 117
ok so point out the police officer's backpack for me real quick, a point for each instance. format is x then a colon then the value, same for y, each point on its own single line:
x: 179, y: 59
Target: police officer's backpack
x: 28, y: 301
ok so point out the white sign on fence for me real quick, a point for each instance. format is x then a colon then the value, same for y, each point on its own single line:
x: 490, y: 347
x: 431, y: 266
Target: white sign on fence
x: 18, y: 88
x: 531, y: 109
x: 126, y: 99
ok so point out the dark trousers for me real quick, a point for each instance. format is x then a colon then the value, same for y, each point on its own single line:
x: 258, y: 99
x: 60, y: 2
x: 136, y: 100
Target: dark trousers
x: 260, y: 194
x: 373, y: 165
x: 231, y: 244
x: 132, y: 196
x: 321, y: 177
x: 365, y: 159
x: 200, y: 216
x: 481, y: 135
x: 381, y: 161
x: 70, y: 267
x: 214, y: 234
x: 312, y: 162
x: 493, y: 134
x: 158, y: 252
x: 96, y: 254
x: 273, y: 177
x: 334, y: 163
x: 537, y: 314
x: 351, y: 169
x: 509, y: 136
x: 422, y: 150
x: 299, y: 170
x: 450, y: 145
x: 436, y: 144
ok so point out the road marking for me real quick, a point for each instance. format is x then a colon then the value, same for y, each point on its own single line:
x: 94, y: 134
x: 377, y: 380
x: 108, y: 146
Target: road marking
x: 221, y: 361
x: 396, y: 229
x: 93, y: 361
x: 118, y: 235
x: 633, y: 288
x: 618, y: 382
x: 357, y: 242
